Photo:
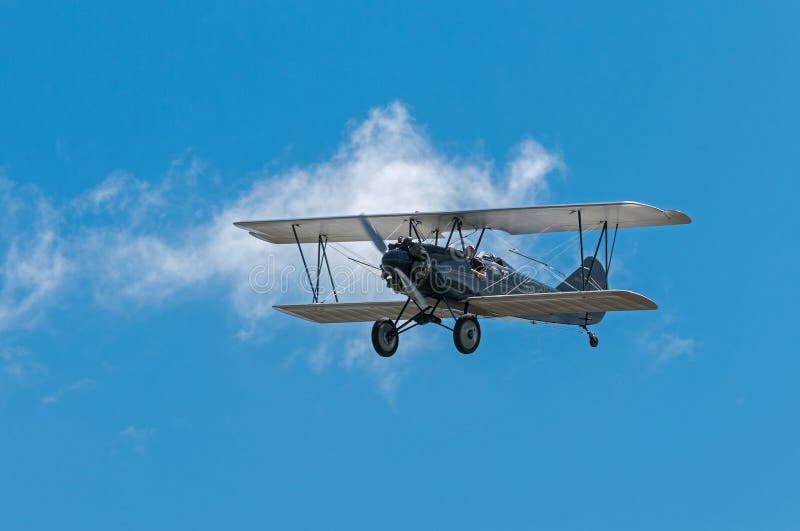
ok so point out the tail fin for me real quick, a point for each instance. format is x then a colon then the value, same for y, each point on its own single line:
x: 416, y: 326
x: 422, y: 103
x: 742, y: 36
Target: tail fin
x: 594, y: 277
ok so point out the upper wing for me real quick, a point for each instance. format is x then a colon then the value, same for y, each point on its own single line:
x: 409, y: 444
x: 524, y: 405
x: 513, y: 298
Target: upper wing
x: 353, y: 312
x: 525, y: 220
x: 559, y: 303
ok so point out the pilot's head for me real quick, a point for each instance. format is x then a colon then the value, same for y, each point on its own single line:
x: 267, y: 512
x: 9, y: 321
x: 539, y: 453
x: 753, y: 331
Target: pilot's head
x: 469, y: 250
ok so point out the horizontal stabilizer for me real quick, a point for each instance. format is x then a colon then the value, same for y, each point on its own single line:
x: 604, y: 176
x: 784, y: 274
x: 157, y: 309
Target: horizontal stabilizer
x: 559, y: 303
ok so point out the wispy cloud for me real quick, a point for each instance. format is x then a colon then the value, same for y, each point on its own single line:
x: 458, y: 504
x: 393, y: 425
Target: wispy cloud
x: 359, y: 355
x: 342, y: 350
x: 133, y: 438
x: 81, y: 386
x: 666, y: 347
x: 672, y: 347
x: 34, y: 263
x: 18, y: 367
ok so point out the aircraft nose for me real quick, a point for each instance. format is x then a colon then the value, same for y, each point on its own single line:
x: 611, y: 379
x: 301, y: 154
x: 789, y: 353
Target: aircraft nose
x: 397, y: 259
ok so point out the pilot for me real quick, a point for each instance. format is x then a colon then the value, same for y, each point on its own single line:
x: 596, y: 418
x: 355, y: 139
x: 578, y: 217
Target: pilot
x: 492, y: 258
x: 475, y: 263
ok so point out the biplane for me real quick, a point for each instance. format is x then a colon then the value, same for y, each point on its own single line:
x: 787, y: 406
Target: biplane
x: 455, y: 280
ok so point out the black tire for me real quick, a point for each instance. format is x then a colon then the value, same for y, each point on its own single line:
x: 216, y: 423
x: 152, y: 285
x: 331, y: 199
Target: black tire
x: 385, y: 338
x: 593, y: 341
x: 467, y: 334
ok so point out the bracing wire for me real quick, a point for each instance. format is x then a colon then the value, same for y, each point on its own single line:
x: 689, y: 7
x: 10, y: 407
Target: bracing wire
x: 556, y: 274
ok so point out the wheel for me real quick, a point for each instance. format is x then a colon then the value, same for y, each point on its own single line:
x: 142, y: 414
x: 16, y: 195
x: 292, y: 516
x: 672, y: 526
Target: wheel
x: 385, y: 338
x: 593, y: 341
x: 467, y: 334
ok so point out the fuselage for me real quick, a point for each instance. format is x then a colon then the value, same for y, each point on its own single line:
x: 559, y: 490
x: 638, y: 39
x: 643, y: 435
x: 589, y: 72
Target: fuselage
x: 445, y: 272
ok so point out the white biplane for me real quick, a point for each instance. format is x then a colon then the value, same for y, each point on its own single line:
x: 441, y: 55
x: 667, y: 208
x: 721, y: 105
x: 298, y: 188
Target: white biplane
x: 456, y: 281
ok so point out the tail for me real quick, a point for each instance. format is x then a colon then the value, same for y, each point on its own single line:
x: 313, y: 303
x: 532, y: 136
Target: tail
x: 594, y: 277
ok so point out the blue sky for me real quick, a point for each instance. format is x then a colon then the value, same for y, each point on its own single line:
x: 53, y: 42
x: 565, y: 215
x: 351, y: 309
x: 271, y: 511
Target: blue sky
x: 144, y: 384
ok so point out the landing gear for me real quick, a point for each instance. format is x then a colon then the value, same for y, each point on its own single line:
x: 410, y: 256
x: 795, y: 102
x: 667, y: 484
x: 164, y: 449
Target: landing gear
x: 385, y: 338
x: 467, y: 334
x: 593, y: 341
x: 386, y: 333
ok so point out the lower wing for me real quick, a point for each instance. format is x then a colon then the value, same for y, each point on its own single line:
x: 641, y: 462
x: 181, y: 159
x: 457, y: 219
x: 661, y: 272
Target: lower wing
x: 491, y: 306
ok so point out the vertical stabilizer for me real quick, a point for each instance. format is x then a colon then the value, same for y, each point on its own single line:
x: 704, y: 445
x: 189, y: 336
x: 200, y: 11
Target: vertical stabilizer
x: 594, y: 277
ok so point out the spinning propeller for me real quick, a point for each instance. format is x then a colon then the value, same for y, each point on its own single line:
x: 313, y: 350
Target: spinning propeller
x: 374, y: 237
x: 408, y: 287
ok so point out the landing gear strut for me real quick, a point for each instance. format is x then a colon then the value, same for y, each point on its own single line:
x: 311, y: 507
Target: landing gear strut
x: 467, y: 334
x: 386, y: 333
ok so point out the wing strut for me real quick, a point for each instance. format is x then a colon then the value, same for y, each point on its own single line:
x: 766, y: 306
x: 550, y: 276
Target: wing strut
x: 585, y: 276
x: 322, y: 259
x: 480, y: 239
x: 580, y: 235
x: 456, y: 225
x: 328, y: 266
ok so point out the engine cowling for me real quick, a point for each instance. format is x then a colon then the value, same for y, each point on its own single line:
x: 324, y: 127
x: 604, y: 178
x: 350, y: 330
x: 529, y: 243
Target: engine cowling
x: 411, y: 258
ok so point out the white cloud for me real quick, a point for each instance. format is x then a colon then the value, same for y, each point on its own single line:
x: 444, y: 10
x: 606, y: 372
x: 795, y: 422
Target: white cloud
x: 672, y: 347
x: 18, y: 367
x: 81, y: 386
x: 527, y: 172
x: 132, y: 242
x: 34, y: 264
x: 359, y: 355
x: 386, y: 164
x: 32, y: 271
x: 665, y: 347
x: 134, y: 438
